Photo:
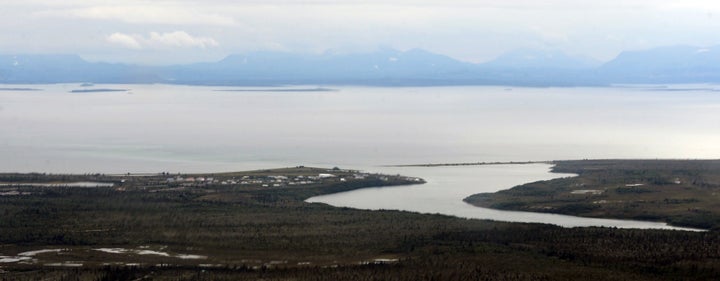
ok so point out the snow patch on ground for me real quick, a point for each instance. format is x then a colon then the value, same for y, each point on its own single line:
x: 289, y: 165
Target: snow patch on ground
x: 27, y: 256
x: 10, y: 259
x: 36, y: 252
x: 143, y: 251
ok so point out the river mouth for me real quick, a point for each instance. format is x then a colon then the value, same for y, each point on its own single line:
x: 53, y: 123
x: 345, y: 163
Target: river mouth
x: 447, y: 186
x: 175, y: 128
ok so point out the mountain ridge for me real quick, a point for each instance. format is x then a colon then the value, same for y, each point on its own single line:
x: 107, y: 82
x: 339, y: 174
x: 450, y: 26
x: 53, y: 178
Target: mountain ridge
x: 385, y: 66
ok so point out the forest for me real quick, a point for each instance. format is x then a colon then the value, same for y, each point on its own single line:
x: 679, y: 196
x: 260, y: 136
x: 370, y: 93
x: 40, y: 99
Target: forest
x: 149, y: 228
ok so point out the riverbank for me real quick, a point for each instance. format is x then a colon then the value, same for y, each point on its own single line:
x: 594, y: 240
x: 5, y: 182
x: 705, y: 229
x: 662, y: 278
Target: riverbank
x: 678, y: 192
x: 472, y: 164
x: 448, y: 185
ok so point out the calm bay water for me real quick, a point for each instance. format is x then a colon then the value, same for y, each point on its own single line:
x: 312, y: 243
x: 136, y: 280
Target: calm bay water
x: 156, y: 128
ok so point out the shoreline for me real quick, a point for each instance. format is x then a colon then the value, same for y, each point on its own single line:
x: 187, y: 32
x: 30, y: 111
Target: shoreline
x: 184, y: 181
x: 642, y: 190
x: 471, y: 164
x: 448, y: 194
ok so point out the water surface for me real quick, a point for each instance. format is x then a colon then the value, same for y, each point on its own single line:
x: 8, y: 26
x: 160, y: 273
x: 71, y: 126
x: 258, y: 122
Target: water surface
x: 448, y: 186
x: 153, y: 128
x: 156, y: 128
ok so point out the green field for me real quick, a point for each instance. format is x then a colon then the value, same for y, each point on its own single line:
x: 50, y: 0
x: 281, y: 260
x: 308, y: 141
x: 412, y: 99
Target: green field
x: 151, y: 228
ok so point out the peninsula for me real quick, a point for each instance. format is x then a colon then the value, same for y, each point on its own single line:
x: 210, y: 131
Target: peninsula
x: 679, y: 192
x: 255, y: 225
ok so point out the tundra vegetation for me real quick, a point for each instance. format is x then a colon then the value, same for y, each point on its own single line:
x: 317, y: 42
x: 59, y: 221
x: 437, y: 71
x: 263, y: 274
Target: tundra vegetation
x: 242, y: 226
x: 679, y: 192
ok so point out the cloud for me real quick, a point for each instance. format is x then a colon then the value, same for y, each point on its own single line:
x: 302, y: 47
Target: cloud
x: 156, y: 40
x: 459, y: 28
x: 181, y: 39
x: 124, y: 40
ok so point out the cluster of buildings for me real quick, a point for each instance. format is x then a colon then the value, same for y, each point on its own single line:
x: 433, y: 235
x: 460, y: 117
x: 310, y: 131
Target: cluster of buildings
x: 192, y: 180
x: 263, y: 181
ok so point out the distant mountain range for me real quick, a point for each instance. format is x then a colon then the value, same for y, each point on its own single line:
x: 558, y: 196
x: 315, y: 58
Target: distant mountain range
x: 679, y: 64
x: 384, y: 67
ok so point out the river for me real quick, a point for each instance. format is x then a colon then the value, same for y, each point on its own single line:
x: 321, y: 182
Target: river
x: 448, y: 186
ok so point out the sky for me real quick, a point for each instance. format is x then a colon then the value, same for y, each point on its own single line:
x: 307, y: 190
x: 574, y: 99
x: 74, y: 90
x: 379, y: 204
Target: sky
x: 182, y: 31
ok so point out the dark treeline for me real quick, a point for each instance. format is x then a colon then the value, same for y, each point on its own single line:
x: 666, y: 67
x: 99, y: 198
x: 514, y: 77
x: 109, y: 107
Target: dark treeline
x: 243, y: 230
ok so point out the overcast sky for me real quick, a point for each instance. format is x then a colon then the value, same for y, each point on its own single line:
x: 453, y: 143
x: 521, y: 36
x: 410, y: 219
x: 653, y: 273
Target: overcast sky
x: 181, y: 31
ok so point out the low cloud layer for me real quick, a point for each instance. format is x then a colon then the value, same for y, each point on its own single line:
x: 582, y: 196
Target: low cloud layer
x: 473, y: 30
x: 156, y: 40
x: 124, y: 40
